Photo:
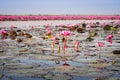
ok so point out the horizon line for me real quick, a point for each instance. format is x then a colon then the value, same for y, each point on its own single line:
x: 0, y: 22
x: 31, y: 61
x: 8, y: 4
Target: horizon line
x: 62, y: 14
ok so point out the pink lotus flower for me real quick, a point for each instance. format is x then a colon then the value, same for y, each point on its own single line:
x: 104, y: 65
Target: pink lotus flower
x: 76, y: 46
x: 60, y: 17
x: 48, y: 30
x: 32, y: 27
x: 110, y: 36
x: 88, y: 27
x: 69, y: 26
x: 65, y: 47
x: 76, y: 25
x: 76, y: 43
x: 11, y: 26
x: 100, y: 44
x: 65, y: 33
x: 103, y: 24
x: 2, y: 32
x: 47, y: 27
x: 109, y: 40
x: 119, y: 32
x: 91, y: 23
x: 54, y: 39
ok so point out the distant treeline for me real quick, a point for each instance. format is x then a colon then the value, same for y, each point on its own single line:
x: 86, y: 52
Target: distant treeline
x: 57, y: 17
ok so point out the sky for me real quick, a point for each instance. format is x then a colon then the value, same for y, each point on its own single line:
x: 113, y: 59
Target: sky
x: 52, y: 7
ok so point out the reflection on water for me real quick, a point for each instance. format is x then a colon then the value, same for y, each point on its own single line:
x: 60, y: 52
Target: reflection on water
x: 81, y: 78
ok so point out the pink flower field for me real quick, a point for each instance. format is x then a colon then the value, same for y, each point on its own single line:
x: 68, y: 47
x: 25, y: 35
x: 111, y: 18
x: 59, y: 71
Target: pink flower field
x: 57, y: 17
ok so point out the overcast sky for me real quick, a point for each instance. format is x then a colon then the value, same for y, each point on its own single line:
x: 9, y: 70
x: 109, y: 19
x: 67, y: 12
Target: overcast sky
x: 60, y: 7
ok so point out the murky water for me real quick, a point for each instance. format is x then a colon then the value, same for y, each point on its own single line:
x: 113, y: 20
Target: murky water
x: 39, y: 63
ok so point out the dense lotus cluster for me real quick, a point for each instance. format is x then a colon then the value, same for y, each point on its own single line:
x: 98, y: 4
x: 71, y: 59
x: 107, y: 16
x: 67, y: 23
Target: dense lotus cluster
x: 57, y: 17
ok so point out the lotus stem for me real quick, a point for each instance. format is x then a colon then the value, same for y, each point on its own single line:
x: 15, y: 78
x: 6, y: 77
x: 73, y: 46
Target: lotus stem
x: 99, y: 52
x: 52, y: 47
x: 59, y: 48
